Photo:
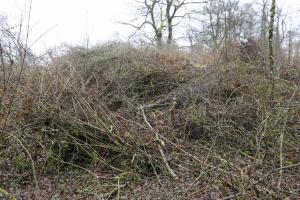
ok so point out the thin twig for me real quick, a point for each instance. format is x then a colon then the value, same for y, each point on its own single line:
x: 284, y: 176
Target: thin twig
x: 170, y: 170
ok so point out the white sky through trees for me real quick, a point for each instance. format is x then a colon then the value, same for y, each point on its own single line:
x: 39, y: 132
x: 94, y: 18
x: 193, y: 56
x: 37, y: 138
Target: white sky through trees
x: 77, y: 19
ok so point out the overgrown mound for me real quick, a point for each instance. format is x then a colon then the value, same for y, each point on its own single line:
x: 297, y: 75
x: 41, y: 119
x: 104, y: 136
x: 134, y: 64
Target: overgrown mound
x: 85, y: 109
x: 100, y: 110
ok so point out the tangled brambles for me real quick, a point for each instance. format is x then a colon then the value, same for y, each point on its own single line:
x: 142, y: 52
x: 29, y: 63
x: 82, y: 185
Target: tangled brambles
x: 115, y: 117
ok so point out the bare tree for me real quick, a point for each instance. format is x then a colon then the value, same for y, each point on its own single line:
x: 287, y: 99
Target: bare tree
x: 161, y: 16
x: 153, y: 14
x: 222, y: 23
x: 172, y: 7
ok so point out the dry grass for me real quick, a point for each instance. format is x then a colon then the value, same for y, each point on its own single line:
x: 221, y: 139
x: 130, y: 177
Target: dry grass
x: 76, y: 130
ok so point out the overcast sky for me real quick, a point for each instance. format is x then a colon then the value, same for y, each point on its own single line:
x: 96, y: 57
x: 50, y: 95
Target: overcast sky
x: 74, y: 19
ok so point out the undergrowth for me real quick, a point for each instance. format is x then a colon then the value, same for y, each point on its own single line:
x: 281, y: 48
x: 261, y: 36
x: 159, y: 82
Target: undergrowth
x: 76, y: 127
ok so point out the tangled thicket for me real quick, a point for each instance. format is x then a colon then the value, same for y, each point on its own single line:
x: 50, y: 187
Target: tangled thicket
x: 219, y: 127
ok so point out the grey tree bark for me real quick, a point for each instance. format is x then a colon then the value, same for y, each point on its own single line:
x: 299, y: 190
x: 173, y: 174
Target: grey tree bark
x: 271, y: 31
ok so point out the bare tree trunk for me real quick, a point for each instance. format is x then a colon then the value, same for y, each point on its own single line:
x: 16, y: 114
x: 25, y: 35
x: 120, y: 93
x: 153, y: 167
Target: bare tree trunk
x: 159, y: 31
x: 271, y: 30
x: 225, y: 50
x: 290, y: 47
x: 159, y: 38
x: 170, y: 32
x: 264, y: 19
x: 169, y: 21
